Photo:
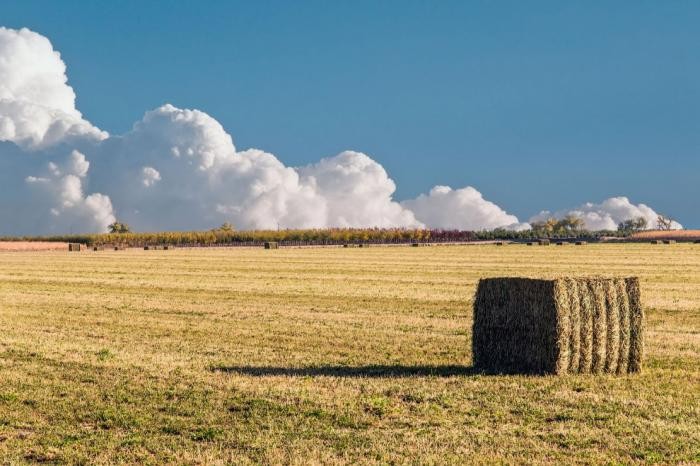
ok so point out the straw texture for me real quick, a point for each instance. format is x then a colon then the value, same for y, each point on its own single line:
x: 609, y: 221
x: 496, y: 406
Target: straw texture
x: 560, y: 326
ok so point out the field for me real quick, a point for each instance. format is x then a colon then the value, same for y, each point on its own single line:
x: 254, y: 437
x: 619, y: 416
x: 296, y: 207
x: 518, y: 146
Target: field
x: 680, y: 235
x: 32, y: 246
x: 325, y: 355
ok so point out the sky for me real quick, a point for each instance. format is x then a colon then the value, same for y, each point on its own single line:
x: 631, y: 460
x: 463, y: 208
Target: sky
x: 539, y: 105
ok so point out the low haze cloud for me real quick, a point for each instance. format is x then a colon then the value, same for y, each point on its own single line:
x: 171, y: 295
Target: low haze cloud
x: 180, y: 169
x: 608, y: 214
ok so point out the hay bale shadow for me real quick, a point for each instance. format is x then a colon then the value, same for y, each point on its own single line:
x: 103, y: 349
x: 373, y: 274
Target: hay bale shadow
x: 369, y: 371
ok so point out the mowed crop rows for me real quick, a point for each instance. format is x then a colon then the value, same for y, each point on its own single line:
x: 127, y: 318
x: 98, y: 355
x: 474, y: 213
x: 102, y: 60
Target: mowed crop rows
x: 325, y: 355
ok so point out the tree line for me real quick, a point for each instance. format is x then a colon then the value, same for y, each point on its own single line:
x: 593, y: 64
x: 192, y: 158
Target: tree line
x: 121, y: 234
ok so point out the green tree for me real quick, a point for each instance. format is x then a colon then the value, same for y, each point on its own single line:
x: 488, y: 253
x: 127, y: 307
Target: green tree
x: 118, y: 227
x: 632, y: 225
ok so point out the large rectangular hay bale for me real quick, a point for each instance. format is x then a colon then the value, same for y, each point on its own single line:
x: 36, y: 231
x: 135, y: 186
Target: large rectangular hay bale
x: 558, y: 326
x: 74, y: 247
x: 271, y: 245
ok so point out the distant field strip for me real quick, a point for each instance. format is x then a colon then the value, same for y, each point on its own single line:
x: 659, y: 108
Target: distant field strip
x: 327, y: 355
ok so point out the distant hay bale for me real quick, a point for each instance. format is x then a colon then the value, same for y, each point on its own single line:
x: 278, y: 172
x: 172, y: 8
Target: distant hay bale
x: 559, y: 326
x: 363, y: 245
x: 697, y: 241
x: 499, y: 243
x: 119, y: 248
x: 98, y: 248
x: 74, y: 247
x: 562, y: 243
x: 581, y: 243
x: 271, y: 245
x: 669, y: 241
x: 530, y: 243
x: 415, y: 245
x: 655, y: 241
x: 543, y: 242
x: 350, y: 245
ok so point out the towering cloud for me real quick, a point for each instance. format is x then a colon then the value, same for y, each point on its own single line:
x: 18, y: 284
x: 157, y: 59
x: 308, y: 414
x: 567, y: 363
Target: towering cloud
x: 357, y: 192
x: 179, y: 169
x: 608, y: 214
x: 37, y: 106
x: 188, y: 174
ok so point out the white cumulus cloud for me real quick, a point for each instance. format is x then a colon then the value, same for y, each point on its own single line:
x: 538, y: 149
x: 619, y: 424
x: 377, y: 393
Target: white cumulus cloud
x: 199, y: 171
x: 608, y: 214
x: 62, y: 205
x: 357, y: 192
x: 463, y: 209
x: 37, y: 106
x: 149, y: 176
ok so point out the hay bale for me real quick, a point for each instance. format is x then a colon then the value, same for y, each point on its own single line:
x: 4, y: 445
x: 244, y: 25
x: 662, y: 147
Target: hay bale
x: 98, y: 248
x: 499, y: 243
x: 415, y: 245
x: 74, y: 247
x: 655, y: 241
x: 669, y: 241
x: 581, y: 243
x: 558, y: 326
x: 543, y: 242
x: 363, y: 245
x: 530, y: 243
x: 697, y: 241
x: 562, y: 243
x: 272, y: 245
x: 119, y: 248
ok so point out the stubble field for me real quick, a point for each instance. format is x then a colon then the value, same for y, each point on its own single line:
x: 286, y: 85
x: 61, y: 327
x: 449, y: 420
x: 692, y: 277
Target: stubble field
x: 325, y: 356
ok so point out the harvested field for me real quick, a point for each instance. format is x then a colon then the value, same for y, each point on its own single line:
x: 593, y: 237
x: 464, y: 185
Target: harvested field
x: 326, y: 355
x: 679, y: 235
x: 32, y: 246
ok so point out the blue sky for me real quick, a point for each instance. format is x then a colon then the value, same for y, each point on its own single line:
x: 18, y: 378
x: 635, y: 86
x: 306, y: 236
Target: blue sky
x: 537, y: 104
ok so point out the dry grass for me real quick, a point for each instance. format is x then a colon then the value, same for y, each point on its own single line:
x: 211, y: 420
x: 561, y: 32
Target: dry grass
x: 325, y: 356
